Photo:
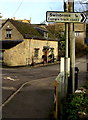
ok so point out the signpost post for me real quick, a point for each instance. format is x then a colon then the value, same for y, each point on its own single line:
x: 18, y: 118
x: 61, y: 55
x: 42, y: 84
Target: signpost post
x: 72, y: 48
x: 66, y: 52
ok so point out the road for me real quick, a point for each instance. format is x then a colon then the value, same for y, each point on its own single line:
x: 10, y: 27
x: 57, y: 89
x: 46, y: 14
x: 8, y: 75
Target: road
x: 35, y: 99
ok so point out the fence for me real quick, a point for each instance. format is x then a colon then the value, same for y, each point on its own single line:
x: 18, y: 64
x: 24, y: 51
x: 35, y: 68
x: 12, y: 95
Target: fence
x: 59, y: 96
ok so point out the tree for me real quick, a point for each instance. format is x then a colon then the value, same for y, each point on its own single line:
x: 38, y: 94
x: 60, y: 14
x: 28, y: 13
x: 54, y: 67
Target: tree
x: 0, y: 15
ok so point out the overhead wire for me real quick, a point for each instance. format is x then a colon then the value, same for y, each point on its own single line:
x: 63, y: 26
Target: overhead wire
x: 17, y: 8
x: 81, y: 7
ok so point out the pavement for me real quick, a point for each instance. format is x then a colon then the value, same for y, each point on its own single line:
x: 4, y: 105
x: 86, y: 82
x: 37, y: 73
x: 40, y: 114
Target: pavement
x: 81, y: 63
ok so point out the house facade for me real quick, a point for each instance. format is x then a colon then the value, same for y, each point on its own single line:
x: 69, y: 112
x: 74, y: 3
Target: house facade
x: 30, y: 51
x: 80, y: 32
x: 26, y: 44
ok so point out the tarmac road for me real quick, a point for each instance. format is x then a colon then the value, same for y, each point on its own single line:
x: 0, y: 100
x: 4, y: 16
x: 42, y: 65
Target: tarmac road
x: 35, y: 100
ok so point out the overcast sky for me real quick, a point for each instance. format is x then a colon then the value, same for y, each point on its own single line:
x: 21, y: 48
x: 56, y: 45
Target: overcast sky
x: 24, y: 9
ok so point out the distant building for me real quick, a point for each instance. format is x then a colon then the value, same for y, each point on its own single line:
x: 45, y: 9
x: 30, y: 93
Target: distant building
x: 23, y: 20
x: 86, y: 39
x: 80, y: 30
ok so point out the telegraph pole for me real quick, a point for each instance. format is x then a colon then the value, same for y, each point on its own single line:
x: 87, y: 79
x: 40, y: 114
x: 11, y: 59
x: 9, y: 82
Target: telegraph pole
x: 72, y: 46
x: 66, y: 51
x: 70, y: 34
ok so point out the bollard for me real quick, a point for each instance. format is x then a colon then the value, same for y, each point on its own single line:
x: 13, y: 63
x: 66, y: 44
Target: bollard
x: 76, y: 78
x: 70, y: 81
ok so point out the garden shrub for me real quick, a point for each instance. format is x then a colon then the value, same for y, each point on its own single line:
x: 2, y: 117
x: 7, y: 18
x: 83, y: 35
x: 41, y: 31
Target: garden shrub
x: 77, y: 106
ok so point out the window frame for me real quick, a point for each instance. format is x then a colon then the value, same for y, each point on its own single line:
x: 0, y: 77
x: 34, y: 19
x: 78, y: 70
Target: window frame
x: 9, y: 33
x: 46, y: 35
x: 77, y: 33
x: 36, y: 52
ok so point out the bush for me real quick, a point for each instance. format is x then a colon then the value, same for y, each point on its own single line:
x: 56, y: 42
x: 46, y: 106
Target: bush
x: 80, y: 48
x: 77, y: 105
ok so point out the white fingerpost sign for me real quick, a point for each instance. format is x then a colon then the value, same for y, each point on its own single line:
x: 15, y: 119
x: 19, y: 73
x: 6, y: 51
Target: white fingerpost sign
x: 65, y: 17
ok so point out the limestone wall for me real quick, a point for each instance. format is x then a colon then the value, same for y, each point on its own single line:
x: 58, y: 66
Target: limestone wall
x: 23, y: 53
x: 15, y: 34
x: 39, y: 44
x: 79, y: 37
x: 17, y: 55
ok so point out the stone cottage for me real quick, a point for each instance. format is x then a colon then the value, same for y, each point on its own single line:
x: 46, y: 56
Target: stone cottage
x: 26, y: 44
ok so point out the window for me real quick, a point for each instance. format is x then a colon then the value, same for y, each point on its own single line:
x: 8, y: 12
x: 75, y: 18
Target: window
x: 77, y: 33
x: 36, y: 52
x: 45, y: 35
x: 8, y: 33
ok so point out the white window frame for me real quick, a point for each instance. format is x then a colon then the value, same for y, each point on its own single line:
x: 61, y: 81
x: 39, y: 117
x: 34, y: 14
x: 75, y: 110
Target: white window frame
x: 8, y: 33
x: 77, y: 34
x: 45, y: 35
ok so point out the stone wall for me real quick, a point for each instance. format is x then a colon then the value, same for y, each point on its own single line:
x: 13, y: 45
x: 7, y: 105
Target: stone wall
x: 16, y: 35
x: 39, y: 44
x: 23, y: 53
x: 80, y: 37
x: 16, y: 56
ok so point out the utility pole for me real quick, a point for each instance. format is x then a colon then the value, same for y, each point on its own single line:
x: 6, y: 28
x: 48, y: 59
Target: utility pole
x: 72, y: 46
x: 66, y: 51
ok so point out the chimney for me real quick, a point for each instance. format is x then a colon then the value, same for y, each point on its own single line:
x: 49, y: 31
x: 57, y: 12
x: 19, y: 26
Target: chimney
x: 14, y: 18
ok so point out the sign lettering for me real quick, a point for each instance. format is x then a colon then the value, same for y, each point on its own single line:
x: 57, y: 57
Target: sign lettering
x: 64, y: 17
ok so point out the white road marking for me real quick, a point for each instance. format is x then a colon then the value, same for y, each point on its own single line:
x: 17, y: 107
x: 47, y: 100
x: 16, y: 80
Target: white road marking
x: 12, y: 79
x: 8, y: 88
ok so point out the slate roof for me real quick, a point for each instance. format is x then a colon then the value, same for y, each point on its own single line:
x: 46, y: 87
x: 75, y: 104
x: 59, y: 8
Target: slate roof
x: 25, y: 29
x: 34, y: 31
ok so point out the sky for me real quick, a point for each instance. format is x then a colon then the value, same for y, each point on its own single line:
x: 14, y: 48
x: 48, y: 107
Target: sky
x: 24, y: 9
